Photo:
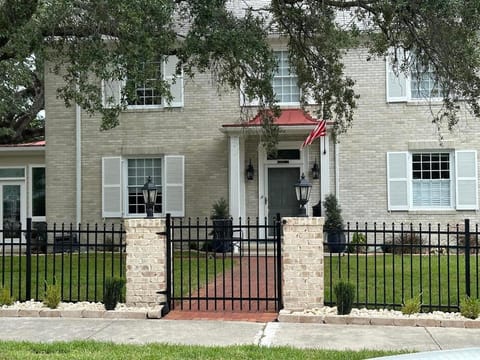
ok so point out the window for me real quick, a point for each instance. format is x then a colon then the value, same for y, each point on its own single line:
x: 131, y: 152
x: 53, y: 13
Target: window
x: 147, y: 95
x: 138, y: 171
x: 418, y: 84
x: 284, y: 81
x: 146, y: 92
x: 432, y: 180
x: 123, y: 178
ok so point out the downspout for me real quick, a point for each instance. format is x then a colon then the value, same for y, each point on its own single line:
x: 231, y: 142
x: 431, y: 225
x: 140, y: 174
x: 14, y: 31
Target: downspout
x: 337, y: 170
x: 78, y: 162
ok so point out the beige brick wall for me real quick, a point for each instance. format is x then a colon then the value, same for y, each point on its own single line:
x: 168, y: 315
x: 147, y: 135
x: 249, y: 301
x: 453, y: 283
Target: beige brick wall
x: 380, y: 127
x: 302, y: 272
x: 145, y: 262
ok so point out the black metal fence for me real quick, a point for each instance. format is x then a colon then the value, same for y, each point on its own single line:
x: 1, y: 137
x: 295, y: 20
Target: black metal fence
x: 77, y: 259
x: 222, y: 265
x: 389, y: 264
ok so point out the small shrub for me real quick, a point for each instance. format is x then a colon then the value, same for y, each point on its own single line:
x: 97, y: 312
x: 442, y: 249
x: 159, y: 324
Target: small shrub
x: 344, y: 294
x: 406, y: 243
x: 5, y: 297
x: 412, y: 306
x: 356, y: 245
x: 112, y: 292
x: 470, y: 307
x: 52, y: 296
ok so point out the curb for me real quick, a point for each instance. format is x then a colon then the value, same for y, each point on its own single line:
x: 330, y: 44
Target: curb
x: 292, y: 317
x: 90, y: 314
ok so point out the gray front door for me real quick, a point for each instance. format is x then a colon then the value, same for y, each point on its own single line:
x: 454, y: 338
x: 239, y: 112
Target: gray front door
x: 10, y: 210
x: 281, y: 191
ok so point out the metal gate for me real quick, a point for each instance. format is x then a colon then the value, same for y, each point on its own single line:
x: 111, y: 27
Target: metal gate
x: 220, y: 265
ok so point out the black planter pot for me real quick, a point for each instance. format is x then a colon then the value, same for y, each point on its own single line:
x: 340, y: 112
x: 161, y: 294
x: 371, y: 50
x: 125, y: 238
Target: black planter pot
x: 336, y: 242
x: 222, y: 235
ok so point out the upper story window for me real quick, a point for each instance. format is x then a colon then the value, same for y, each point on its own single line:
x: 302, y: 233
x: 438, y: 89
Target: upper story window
x: 147, y: 96
x: 420, y: 83
x: 285, y: 81
x: 146, y: 92
x: 432, y: 180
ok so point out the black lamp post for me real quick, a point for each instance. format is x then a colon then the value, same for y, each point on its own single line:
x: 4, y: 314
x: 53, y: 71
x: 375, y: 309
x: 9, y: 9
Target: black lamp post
x: 302, y: 190
x: 149, y: 196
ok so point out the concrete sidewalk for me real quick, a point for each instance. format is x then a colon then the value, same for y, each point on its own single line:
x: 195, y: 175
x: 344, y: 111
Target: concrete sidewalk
x: 223, y: 333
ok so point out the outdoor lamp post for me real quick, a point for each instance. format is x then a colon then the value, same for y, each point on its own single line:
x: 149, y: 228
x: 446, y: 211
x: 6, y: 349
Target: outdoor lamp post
x: 149, y: 196
x: 302, y: 190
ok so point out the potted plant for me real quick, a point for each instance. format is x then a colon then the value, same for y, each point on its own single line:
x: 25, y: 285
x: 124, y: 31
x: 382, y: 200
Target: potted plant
x: 334, y: 225
x: 222, y: 227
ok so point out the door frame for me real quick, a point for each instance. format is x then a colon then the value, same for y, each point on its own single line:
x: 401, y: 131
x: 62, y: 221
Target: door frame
x: 264, y: 165
x: 23, y: 204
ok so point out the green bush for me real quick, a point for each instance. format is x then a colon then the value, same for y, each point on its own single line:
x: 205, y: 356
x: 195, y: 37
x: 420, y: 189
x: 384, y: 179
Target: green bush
x: 412, y: 306
x: 52, y: 295
x: 406, y: 243
x: 333, y: 215
x: 112, y: 292
x: 5, y: 297
x: 345, y: 295
x: 357, y: 244
x: 470, y: 307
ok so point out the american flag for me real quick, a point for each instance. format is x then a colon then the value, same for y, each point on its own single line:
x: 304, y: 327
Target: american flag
x: 318, y: 131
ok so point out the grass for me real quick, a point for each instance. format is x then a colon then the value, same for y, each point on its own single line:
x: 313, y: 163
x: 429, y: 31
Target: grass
x: 391, y: 279
x: 100, y: 351
x: 82, y: 276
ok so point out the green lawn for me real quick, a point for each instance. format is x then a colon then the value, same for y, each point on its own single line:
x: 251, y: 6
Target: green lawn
x: 389, y: 279
x: 82, y: 275
x: 107, y: 351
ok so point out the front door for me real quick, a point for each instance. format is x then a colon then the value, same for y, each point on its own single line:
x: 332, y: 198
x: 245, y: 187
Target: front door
x: 281, y: 191
x: 12, y: 211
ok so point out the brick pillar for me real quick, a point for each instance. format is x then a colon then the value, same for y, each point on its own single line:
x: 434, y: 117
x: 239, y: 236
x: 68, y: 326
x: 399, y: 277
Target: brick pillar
x: 302, y: 251
x: 146, y: 261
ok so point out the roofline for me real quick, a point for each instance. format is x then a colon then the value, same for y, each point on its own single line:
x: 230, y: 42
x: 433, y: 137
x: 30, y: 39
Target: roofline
x: 40, y: 148
x: 289, y: 129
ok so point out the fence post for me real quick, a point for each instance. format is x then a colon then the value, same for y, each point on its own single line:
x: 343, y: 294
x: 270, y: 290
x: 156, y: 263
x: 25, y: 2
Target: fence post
x: 28, y: 280
x: 278, y: 238
x: 168, y: 294
x: 467, y: 256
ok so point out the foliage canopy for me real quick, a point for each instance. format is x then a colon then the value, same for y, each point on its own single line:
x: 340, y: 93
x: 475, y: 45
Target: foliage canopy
x: 88, y: 40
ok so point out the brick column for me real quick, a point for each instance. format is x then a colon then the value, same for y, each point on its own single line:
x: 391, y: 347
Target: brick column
x: 146, y: 261
x: 302, y: 251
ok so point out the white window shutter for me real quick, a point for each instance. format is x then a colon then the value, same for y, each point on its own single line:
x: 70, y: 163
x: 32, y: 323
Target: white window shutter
x: 396, y: 83
x: 245, y: 101
x: 174, y: 185
x: 112, y: 187
x: 112, y: 92
x: 466, y: 179
x: 174, y: 80
x: 397, y: 183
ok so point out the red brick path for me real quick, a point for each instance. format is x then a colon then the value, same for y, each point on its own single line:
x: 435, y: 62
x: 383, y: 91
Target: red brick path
x: 248, y: 278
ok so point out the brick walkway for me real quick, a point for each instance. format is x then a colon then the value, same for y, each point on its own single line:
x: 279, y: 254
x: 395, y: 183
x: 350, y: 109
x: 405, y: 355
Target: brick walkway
x: 245, y: 292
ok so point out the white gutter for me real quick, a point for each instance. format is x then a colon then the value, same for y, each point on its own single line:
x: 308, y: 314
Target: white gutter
x: 78, y: 161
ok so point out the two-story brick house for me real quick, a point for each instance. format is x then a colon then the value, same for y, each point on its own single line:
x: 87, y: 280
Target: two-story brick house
x: 390, y: 166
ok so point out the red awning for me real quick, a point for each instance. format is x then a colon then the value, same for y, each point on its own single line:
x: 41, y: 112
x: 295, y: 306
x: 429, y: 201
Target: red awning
x: 288, y: 117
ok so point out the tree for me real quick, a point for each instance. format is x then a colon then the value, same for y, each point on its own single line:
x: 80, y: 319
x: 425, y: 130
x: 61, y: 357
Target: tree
x: 88, y: 40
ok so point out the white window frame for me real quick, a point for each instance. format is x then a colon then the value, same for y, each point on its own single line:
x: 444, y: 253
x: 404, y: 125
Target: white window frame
x: 402, y: 80
x: 290, y: 77
x: 469, y: 177
x: 168, y: 73
x: 126, y: 186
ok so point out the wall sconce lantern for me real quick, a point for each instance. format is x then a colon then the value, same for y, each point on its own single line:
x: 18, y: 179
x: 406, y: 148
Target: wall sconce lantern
x: 302, y: 191
x: 250, y: 170
x: 149, y: 196
x: 315, y: 170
